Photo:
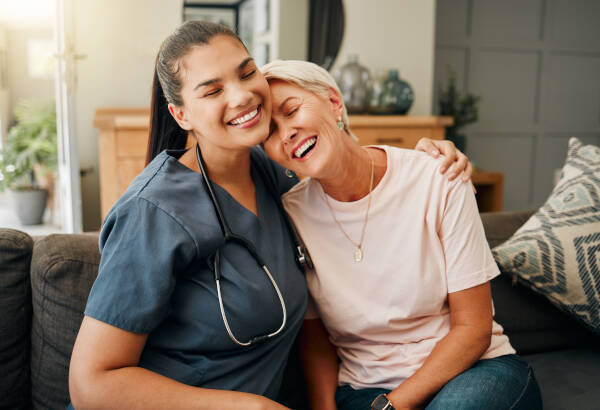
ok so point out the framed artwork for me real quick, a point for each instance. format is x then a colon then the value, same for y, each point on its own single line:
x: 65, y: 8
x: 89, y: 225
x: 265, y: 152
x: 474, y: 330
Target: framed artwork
x: 226, y: 15
x: 246, y: 23
x: 263, y: 16
x: 261, y: 53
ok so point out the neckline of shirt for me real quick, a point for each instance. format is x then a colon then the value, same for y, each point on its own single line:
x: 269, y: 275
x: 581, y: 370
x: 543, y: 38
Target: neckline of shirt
x: 351, y: 205
x: 259, y: 186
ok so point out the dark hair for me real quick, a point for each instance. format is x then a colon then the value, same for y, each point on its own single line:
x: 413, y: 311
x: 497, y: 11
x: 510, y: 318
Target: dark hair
x: 165, y: 133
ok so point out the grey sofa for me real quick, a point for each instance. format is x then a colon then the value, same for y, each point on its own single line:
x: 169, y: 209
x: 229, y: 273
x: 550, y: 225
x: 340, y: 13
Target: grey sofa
x: 44, y: 283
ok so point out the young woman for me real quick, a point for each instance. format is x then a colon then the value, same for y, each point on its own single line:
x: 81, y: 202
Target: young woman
x: 402, y: 266
x: 181, y: 317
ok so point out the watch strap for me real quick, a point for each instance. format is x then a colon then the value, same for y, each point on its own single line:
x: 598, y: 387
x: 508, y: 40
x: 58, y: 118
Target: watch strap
x: 381, y: 402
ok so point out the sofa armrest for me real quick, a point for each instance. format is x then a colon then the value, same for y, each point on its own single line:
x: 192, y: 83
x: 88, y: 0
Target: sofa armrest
x: 15, y: 318
x: 63, y: 269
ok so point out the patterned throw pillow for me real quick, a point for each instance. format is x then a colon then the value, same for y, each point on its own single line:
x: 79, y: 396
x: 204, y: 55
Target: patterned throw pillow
x: 557, y: 251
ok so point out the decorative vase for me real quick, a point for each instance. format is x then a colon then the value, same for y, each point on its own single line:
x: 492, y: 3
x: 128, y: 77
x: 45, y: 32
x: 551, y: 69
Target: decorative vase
x: 353, y: 80
x: 377, y: 103
x: 30, y: 205
x: 390, y: 95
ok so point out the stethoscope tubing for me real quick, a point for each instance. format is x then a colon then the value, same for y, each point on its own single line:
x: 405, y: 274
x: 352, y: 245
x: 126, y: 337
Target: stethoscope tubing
x: 229, y: 236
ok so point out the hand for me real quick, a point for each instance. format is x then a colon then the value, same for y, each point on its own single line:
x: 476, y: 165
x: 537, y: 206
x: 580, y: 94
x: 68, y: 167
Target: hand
x: 453, y: 158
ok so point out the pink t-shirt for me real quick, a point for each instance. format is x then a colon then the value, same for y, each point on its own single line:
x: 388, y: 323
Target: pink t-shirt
x: 424, y: 239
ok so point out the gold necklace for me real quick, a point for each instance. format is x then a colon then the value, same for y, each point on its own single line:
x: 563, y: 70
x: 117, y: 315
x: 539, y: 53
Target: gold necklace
x: 358, y: 254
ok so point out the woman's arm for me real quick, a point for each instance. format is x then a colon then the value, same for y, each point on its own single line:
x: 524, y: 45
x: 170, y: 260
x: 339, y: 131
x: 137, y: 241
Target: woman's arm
x: 469, y: 337
x: 320, y: 365
x: 104, y: 373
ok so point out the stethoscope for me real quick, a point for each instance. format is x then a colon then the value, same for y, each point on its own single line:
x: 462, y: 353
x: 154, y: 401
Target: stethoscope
x: 302, y: 258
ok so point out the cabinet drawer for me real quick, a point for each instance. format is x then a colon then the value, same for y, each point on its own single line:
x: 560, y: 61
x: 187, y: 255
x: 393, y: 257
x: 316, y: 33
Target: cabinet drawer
x: 404, y: 138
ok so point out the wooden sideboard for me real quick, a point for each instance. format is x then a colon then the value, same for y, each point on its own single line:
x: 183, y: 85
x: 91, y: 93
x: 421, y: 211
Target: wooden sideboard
x: 122, y: 144
x: 123, y: 140
x: 398, y: 130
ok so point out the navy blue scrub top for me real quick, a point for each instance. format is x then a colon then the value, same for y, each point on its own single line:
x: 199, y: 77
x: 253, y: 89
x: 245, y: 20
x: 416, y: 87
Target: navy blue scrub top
x: 154, y: 278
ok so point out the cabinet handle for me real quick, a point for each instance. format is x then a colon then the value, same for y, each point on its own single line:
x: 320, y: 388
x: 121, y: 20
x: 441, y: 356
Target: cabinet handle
x: 396, y: 140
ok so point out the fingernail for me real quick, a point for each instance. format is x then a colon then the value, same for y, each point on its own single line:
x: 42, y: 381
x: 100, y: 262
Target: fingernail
x: 436, y: 152
x: 452, y: 176
x: 443, y: 169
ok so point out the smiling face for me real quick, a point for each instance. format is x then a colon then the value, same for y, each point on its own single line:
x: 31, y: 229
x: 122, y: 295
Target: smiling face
x: 304, y: 135
x: 226, y: 99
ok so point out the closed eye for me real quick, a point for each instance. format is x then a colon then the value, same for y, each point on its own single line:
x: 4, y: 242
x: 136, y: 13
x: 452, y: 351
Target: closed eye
x: 248, y: 75
x: 292, y: 112
x: 213, y: 92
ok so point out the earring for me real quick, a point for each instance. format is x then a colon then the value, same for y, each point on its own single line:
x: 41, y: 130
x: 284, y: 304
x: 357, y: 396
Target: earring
x: 289, y: 173
x: 340, y: 123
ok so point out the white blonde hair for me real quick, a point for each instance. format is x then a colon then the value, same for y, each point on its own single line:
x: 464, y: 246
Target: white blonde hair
x: 308, y: 76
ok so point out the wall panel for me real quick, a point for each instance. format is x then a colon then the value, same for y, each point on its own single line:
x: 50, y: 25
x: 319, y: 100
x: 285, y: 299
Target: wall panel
x: 572, y: 101
x: 574, y: 24
x: 506, y: 82
x: 536, y: 65
x: 517, y: 169
x: 496, y: 21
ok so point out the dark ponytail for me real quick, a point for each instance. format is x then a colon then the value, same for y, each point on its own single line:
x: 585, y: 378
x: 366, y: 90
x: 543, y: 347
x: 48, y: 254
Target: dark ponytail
x: 164, y: 132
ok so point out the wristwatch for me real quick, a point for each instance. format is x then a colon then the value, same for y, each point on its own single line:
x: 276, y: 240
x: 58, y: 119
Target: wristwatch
x: 381, y: 402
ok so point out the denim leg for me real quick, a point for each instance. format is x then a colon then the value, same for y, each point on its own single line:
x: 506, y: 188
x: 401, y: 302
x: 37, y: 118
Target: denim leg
x: 502, y: 383
x: 346, y: 398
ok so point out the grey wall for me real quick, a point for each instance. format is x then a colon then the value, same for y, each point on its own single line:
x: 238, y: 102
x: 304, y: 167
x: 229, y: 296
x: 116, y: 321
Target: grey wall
x: 536, y: 65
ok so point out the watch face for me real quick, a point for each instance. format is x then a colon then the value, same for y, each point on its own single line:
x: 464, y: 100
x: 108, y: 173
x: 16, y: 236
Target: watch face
x: 380, y: 402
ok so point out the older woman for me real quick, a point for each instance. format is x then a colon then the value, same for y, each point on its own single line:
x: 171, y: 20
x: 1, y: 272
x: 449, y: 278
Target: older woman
x: 402, y: 266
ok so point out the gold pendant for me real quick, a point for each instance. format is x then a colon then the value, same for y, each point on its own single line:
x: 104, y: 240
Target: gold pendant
x: 358, y: 255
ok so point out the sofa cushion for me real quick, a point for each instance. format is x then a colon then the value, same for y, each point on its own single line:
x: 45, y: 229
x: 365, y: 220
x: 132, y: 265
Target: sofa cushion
x: 532, y: 323
x: 15, y: 318
x: 555, y: 253
x: 568, y: 379
x: 63, y: 269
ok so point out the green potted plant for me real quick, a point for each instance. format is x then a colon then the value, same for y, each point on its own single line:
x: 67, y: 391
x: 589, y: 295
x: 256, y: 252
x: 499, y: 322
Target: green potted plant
x: 463, y: 107
x: 28, y: 161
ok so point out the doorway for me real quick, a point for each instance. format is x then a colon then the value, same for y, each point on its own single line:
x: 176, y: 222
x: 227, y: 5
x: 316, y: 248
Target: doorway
x: 34, y: 122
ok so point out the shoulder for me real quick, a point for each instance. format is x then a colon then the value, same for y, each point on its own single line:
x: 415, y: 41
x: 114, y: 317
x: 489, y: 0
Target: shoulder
x: 148, y: 187
x: 411, y: 159
x: 299, y: 192
x: 416, y: 175
x: 417, y: 167
x: 137, y: 217
x: 165, y: 193
x: 277, y: 174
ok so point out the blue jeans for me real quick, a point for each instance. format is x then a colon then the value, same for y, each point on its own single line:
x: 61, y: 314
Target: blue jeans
x: 501, y: 383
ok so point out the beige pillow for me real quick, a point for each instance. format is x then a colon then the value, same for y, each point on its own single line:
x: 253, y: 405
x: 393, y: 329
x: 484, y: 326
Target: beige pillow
x: 557, y: 251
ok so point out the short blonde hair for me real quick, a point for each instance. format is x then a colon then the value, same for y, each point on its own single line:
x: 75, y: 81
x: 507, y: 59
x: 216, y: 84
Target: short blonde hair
x: 308, y: 76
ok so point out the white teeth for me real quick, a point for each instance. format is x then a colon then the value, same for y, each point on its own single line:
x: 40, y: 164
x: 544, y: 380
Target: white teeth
x: 245, y: 118
x: 309, y: 143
